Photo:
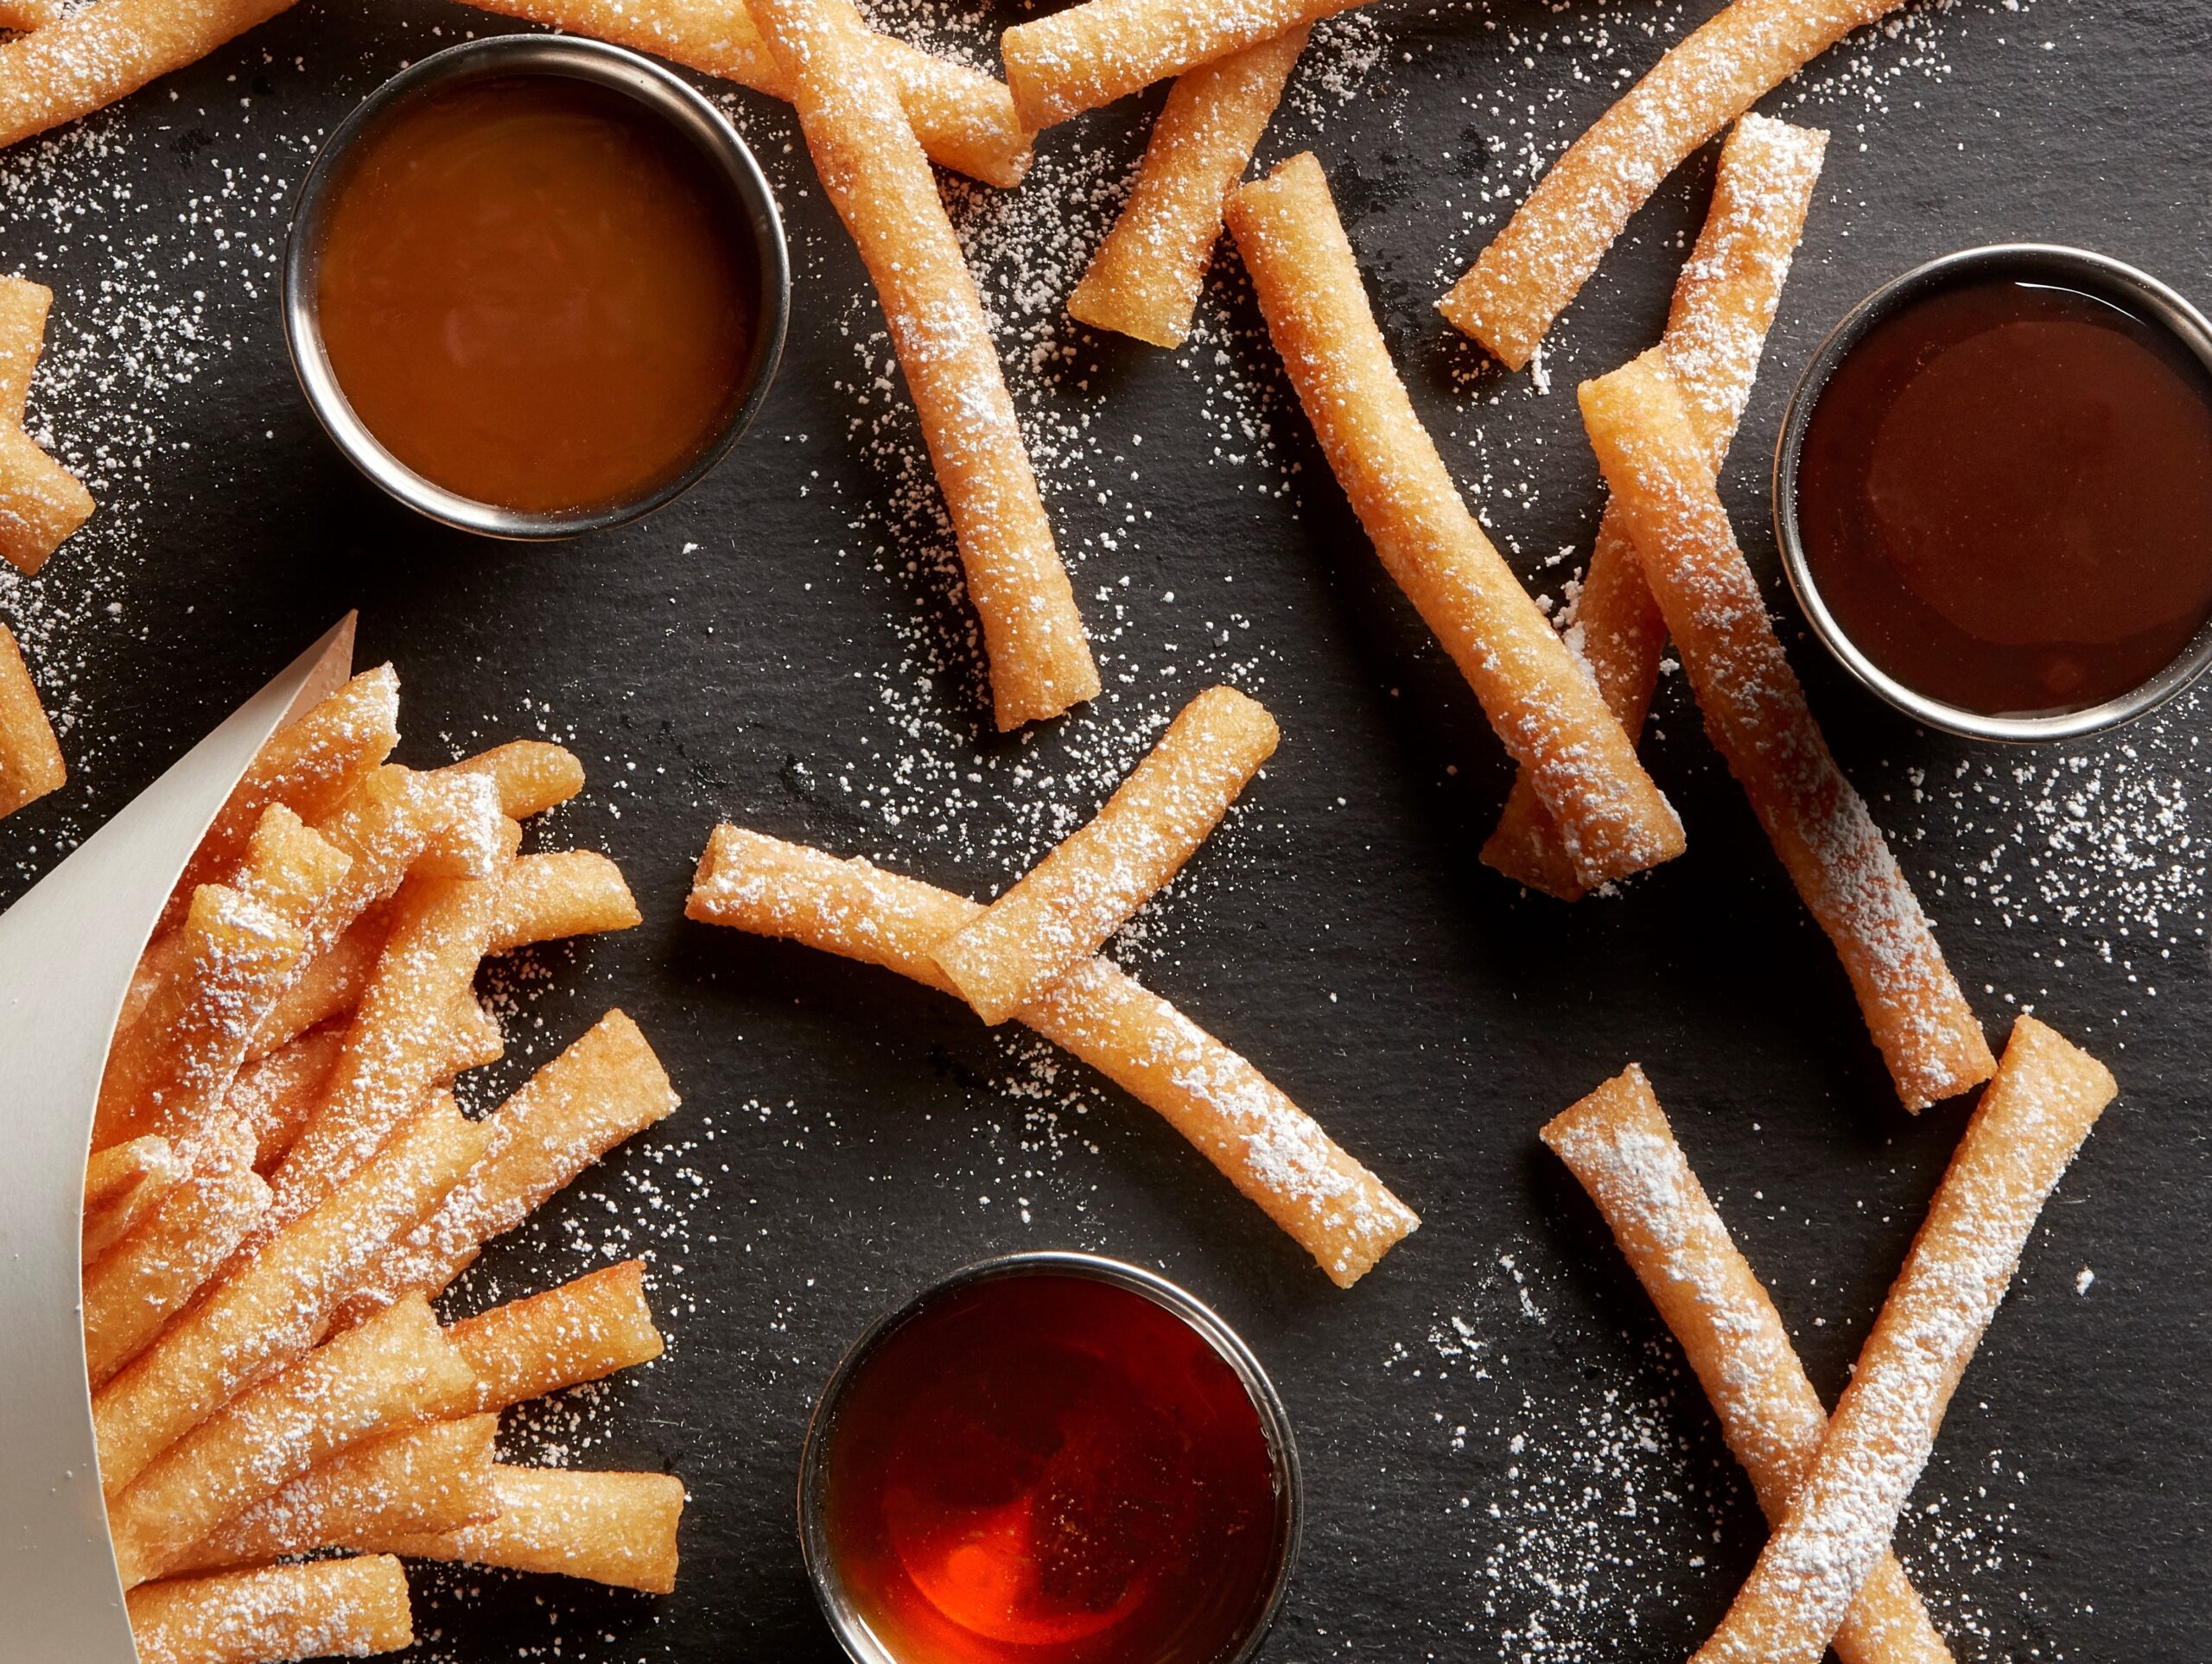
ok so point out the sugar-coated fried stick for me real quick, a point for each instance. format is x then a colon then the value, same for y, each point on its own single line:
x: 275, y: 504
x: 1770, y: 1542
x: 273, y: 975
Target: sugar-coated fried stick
x: 419, y: 1480
x: 330, y: 985
x: 530, y: 776
x: 399, y: 1037
x: 168, y: 1072
x: 272, y: 1308
x: 1261, y: 1142
x: 391, y: 823
x: 1756, y: 712
x: 471, y: 838
x: 320, y: 1609
x: 1723, y: 301
x: 123, y: 1183
x: 1144, y: 280
x: 1546, y: 709
x: 616, y: 1529
x: 1539, y: 262
x: 28, y: 13
x: 395, y: 1371
x: 30, y: 757
x: 192, y: 1012
x: 1090, y: 55
x: 276, y: 1094
x: 603, y: 1089
x: 1062, y: 910
x: 964, y: 118
x: 878, y: 179
x: 568, y: 892
x: 42, y: 502
x: 1617, y: 1143
x: 309, y: 767
x: 24, y: 308
x: 146, y: 1279
x: 2046, y: 1097
x: 107, y: 50
x: 583, y: 1331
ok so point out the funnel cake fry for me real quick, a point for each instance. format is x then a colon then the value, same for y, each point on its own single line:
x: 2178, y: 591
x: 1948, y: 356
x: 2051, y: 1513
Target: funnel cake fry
x: 1723, y: 301
x: 1547, y: 711
x: 1755, y: 710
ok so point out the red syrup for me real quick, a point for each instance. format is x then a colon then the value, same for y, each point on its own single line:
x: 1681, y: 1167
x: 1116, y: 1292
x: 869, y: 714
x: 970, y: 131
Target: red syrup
x: 1046, y: 1468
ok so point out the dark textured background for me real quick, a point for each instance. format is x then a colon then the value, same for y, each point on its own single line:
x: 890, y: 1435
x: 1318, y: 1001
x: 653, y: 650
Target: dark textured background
x: 1504, y: 1458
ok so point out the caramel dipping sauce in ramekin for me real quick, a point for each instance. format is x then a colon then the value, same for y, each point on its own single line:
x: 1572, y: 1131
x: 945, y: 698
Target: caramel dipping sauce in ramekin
x: 1994, y: 493
x: 536, y: 286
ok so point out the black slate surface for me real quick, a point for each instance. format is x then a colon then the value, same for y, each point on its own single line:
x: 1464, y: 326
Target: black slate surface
x: 1505, y: 1460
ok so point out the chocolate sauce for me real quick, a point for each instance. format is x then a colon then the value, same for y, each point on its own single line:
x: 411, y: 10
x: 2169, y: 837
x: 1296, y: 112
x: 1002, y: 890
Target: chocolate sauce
x: 2005, y: 496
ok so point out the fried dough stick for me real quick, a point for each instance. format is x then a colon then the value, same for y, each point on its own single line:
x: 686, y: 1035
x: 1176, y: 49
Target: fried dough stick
x: 123, y: 1183
x: 1145, y: 278
x: 1723, y: 301
x: 425, y: 1479
x: 964, y: 118
x: 272, y: 1308
x: 323, y: 1608
x: 1547, y: 711
x: 30, y: 757
x: 2046, y: 1097
x: 1659, y: 476
x: 395, y: 1371
x: 42, y: 502
x: 1261, y: 1142
x: 585, y: 1329
x: 1619, y: 1144
x: 309, y: 767
x: 1538, y: 263
x: 614, y: 1528
x: 880, y: 181
x: 1062, y: 909
x: 1093, y: 53
x: 146, y: 1279
x: 606, y: 1087
x: 107, y: 50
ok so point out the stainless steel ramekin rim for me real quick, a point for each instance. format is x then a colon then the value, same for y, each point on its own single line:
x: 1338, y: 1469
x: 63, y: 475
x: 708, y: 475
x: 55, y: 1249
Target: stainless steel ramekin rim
x: 2092, y: 273
x: 1275, y: 1424
x: 520, y: 54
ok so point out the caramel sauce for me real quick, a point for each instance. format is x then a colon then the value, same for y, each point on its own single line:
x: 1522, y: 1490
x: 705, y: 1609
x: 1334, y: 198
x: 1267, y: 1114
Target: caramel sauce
x: 537, y: 293
x: 1048, y: 1470
x: 2005, y: 498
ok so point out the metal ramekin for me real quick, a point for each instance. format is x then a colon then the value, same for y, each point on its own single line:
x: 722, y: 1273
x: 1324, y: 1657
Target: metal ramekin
x: 1274, y: 1425
x: 532, y: 54
x: 2076, y: 269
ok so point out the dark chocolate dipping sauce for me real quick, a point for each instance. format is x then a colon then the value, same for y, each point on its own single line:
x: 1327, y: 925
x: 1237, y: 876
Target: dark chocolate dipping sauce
x: 2005, y: 497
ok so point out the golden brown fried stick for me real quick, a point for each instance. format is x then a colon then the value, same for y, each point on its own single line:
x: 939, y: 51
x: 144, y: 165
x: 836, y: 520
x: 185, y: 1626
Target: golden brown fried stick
x: 2046, y: 1097
x: 1619, y: 1144
x: 30, y: 757
x: 395, y: 1371
x: 123, y: 1183
x: 964, y: 118
x: 565, y: 892
x: 107, y: 50
x: 1547, y: 711
x: 274, y: 1307
x: 1090, y: 55
x: 1088, y: 886
x: 42, y: 502
x: 353, y: 1607
x: 585, y: 1329
x: 146, y: 1279
x: 1723, y: 303
x: 1537, y: 265
x: 424, y: 1479
x: 1145, y: 278
x: 877, y: 177
x: 309, y: 767
x: 615, y: 1528
x: 1261, y: 1142
x: 603, y: 1089
x: 1756, y: 712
